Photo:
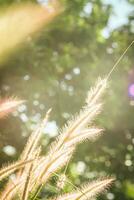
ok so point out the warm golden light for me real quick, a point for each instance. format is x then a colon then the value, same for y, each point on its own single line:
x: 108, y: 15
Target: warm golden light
x: 18, y: 22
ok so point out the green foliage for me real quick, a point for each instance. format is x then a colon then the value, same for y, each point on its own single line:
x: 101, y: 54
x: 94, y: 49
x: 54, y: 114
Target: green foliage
x: 129, y: 189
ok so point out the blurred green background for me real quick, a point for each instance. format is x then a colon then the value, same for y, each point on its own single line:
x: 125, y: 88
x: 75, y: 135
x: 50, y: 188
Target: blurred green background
x: 55, y: 68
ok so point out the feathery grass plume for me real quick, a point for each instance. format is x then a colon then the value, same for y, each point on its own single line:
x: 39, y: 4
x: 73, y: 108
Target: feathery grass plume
x: 77, y: 130
x: 25, y: 176
x: 78, y: 123
x: 29, y: 17
x: 29, y: 175
x: 96, y: 93
x: 37, y: 156
x: 34, y: 139
x: 9, y: 192
x: 8, y: 105
x: 31, y: 151
x: 30, y: 148
x: 26, y: 189
x: 50, y: 164
x: 86, y: 134
x: 62, y: 149
x: 7, y: 170
x: 75, y: 127
x: 88, y: 191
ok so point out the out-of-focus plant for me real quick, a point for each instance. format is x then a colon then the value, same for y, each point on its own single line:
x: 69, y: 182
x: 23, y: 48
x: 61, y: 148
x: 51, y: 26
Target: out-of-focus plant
x: 129, y: 188
x: 8, y: 105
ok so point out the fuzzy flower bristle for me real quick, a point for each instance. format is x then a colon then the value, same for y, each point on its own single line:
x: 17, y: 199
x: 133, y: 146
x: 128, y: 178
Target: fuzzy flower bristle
x: 8, y: 105
x: 7, y: 170
x: 96, y: 93
x: 88, y: 191
x: 9, y: 192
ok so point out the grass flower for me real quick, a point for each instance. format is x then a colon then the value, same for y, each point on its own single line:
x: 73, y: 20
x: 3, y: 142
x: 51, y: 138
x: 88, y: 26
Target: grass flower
x: 32, y: 175
x: 8, y: 105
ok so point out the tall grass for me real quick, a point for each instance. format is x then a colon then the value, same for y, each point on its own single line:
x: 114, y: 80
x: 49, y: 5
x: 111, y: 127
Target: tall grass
x: 33, y: 170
